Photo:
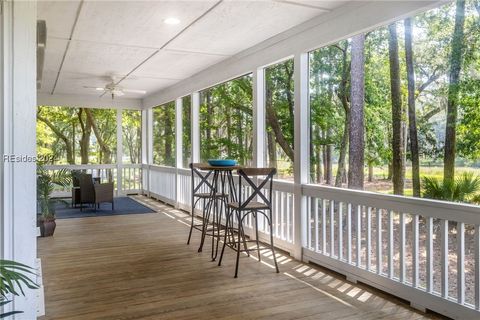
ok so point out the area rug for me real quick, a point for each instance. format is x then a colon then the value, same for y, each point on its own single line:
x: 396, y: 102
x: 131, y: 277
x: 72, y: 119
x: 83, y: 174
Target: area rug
x: 123, y: 205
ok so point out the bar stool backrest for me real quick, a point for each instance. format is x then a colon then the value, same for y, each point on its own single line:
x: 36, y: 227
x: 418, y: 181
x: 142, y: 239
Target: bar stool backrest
x: 258, y: 190
x: 202, y: 176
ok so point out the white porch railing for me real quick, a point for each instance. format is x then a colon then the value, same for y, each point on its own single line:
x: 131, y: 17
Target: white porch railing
x: 130, y: 176
x: 424, y: 251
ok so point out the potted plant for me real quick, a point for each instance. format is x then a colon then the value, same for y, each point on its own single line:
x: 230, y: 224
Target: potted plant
x: 13, y: 276
x: 46, y: 183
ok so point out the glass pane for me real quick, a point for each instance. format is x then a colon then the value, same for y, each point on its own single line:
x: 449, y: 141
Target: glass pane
x: 187, y: 130
x: 226, y: 121
x: 164, y: 134
x: 279, y: 112
x: 132, y: 136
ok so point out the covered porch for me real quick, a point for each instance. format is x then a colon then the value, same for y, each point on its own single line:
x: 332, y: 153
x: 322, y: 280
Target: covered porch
x: 223, y: 79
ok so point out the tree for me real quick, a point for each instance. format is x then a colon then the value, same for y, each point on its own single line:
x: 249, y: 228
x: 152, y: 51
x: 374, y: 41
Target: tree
x: 356, y: 127
x: 456, y: 57
x: 412, y: 123
x: 398, y: 164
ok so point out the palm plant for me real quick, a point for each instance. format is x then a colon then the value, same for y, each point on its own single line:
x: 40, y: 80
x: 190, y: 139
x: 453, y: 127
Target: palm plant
x: 465, y: 188
x: 13, y: 276
x: 46, y: 183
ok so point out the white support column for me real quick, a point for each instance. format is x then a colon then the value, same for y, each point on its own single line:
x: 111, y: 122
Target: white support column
x: 144, y: 152
x: 149, y: 147
x: 178, y: 145
x: 18, y: 137
x: 258, y: 117
x: 195, y: 127
x: 301, y: 162
x: 119, y: 152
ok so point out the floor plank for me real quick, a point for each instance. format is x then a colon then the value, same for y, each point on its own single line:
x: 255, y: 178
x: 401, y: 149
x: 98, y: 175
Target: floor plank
x: 139, y: 267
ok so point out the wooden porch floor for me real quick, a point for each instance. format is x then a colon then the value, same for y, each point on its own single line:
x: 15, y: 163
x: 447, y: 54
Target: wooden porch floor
x: 139, y: 267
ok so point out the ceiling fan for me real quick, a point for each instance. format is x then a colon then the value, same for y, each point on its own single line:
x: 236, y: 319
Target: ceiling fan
x: 115, y: 90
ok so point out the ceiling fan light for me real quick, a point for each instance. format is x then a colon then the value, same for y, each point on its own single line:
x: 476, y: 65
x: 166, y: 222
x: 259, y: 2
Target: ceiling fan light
x: 171, y: 20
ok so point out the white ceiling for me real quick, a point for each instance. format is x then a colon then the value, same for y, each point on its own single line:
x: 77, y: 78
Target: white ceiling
x: 128, y: 39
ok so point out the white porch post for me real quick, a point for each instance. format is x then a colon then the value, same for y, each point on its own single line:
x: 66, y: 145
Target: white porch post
x: 144, y: 152
x: 178, y: 145
x: 18, y: 137
x: 119, y: 152
x: 301, y: 162
x: 149, y: 145
x: 259, y: 118
x: 195, y: 127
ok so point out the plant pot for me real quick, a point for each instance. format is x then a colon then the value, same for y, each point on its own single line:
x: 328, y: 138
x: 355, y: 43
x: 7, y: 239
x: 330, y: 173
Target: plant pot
x: 47, y: 227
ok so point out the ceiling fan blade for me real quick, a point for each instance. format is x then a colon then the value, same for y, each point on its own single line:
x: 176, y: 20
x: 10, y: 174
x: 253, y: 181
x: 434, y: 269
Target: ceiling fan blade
x: 96, y: 88
x: 134, y: 91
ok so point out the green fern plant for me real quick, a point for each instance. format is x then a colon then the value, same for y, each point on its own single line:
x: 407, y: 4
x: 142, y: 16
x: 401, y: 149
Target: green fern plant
x: 465, y: 188
x: 13, y: 277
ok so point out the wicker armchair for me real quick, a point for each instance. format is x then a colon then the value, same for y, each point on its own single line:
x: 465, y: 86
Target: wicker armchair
x: 94, y: 194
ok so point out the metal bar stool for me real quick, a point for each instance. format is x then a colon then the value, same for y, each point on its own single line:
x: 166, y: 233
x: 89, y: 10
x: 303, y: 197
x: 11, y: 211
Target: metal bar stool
x: 250, y: 206
x: 205, y: 191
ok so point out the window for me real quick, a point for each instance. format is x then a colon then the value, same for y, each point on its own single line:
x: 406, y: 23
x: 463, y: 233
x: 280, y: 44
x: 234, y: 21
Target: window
x: 448, y: 152
x: 226, y: 121
x: 187, y: 130
x: 164, y: 134
x: 132, y: 136
x: 279, y: 113
x: 77, y: 135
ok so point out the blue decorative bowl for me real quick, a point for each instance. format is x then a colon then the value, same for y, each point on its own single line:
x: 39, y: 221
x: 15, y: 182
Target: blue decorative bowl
x: 222, y: 162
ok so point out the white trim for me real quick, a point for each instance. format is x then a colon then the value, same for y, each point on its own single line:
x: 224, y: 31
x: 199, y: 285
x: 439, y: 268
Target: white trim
x: 87, y: 100
x: 119, y: 152
x: 18, y: 136
x: 195, y: 114
x: 258, y: 105
x: 301, y: 162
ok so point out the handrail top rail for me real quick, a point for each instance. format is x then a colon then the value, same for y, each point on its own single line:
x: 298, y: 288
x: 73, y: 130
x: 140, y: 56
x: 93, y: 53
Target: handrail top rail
x: 90, y: 166
x: 453, y: 211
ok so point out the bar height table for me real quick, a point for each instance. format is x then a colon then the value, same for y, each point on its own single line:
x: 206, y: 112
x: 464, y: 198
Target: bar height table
x: 221, y: 180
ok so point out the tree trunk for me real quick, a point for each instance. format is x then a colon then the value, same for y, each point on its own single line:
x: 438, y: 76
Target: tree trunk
x: 397, y: 113
x: 69, y: 146
x: 356, y: 126
x: 168, y: 138
x: 343, y: 96
x: 412, y: 119
x: 456, y: 58
x: 105, y: 149
x: 370, y: 172
x: 86, y: 127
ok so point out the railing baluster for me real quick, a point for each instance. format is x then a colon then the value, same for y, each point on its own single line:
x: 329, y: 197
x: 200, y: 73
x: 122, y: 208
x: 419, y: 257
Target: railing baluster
x: 379, y: 241
x: 288, y: 217
x: 316, y: 225
x: 282, y: 216
x: 429, y: 249
x: 390, y: 244
x: 476, y: 247
x: 359, y: 234
x: 277, y: 211
x: 332, y: 227
x: 369, y: 238
x: 444, y: 257
x: 415, y: 251
x: 349, y: 233
x: 460, y: 262
x: 340, y: 231
x: 324, y: 229
x: 402, y: 247
x: 309, y: 222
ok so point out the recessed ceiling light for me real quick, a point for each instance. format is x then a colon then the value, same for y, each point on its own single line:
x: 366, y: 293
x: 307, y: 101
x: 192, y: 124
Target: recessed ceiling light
x: 171, y: 20
x: 99, y: 89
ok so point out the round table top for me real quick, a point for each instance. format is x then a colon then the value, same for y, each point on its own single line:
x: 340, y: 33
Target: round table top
x: 207, y: 167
